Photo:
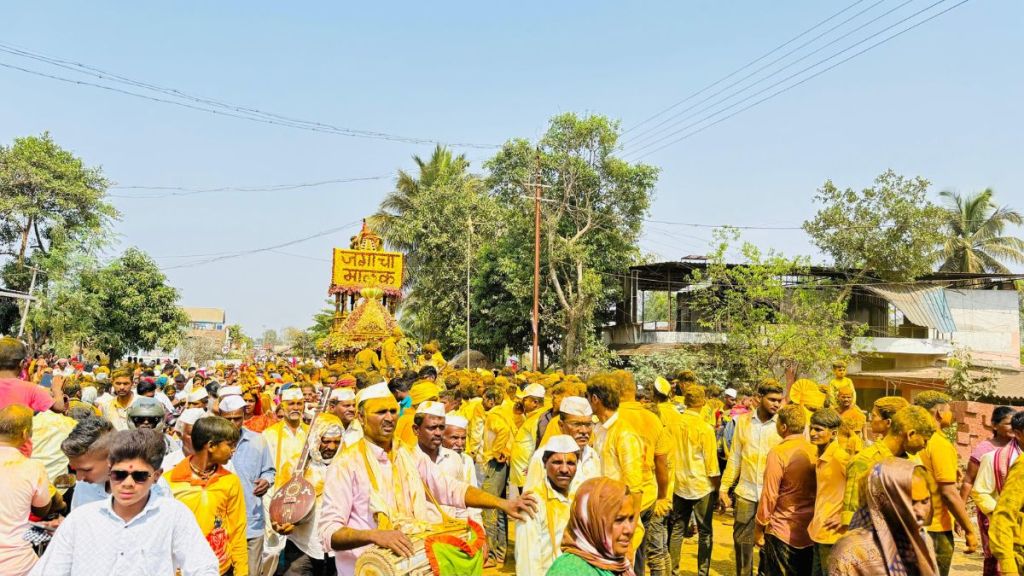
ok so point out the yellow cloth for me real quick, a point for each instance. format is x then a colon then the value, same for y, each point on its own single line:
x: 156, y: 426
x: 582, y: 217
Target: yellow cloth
x: 538, y: 539
x: 499, y: 433
x: 651, y: 431
x: 367, y: 360
x: 694, y: 456
x: 423, y: 391
x: 939, y: 457
x: 391, y: 354
x: 807, y: 393
x: 710, y: 411
x: 622, y: 452
x: 830, y: 475
x: 217, y: 500
x: 403, y: 428
x: 285, y: 447
x: 1006, y: 523
x: 855, y: 471
x: 473, y: 411
x: 523, y: 448
x: 552, y: 429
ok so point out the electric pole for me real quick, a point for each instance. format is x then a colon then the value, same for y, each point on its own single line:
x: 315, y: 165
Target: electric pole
x: 534, y: 356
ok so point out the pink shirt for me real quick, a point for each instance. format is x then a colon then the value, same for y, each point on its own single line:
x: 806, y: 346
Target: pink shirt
x: 346, y: 498
x: 24, y: 485
x: 18, y: 391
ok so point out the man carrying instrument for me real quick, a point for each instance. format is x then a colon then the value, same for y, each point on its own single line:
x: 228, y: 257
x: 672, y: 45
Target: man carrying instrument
x: 380, y: 496
x: 304, y: 554
x: 285, y: 440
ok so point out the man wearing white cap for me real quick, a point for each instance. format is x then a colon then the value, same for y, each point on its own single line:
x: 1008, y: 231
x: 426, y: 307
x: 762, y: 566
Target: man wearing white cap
x: 377, y: 493
x: 538, y: 539
x: 526, y: 437
x: 455, y: 463
x: 343, y: 405
x: 253, y: 463
x: 286, y: 437
x: 198, y: 398
x: 576, y: 420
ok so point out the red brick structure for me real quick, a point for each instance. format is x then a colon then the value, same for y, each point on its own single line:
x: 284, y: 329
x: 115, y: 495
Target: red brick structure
x: 973, y: 421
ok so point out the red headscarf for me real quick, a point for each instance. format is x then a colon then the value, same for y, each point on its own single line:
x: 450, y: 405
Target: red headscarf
x: 588, y: 533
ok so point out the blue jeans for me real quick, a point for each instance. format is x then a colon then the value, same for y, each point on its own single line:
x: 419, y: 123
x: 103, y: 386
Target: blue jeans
x: 703, y: 512
x: 495, y: 522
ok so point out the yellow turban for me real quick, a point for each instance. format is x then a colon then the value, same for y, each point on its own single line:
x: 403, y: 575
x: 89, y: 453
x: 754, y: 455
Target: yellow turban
x: 423, y: 390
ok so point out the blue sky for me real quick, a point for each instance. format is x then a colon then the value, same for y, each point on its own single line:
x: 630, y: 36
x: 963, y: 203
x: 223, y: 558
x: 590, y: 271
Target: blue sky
x: 941, y: 101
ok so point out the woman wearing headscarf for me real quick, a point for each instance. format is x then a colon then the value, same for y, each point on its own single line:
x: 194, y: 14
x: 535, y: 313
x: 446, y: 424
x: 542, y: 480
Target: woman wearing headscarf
x: 889, y: 536
x: 601, y: 525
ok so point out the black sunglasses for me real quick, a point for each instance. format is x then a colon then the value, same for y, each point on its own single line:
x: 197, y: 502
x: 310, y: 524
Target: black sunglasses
x: 139, y: 476
x: 152, y: 420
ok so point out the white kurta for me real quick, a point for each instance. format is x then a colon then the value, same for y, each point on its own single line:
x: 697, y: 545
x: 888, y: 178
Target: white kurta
x: 460, y: 467
x: 538, y: 539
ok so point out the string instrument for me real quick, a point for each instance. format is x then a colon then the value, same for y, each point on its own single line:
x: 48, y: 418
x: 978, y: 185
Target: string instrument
x: 294, y: 500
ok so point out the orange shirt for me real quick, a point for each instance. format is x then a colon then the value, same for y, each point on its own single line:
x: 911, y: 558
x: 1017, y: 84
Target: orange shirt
x: 830, y: 475
x: 787, y: 500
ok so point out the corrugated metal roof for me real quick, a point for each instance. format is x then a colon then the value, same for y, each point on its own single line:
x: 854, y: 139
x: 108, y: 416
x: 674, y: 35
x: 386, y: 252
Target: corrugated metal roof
x: 922, y: 305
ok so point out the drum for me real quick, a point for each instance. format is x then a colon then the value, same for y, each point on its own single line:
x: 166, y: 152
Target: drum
x: 382, y: 562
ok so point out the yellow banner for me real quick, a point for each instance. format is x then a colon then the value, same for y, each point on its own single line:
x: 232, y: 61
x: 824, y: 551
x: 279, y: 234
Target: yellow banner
x: 365, y: 269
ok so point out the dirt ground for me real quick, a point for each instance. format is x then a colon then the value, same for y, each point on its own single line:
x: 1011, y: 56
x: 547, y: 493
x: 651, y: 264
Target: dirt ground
x: 722, y: 556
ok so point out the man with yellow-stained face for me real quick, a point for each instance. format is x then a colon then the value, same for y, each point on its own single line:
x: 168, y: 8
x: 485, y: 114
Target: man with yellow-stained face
x: 377, y: 494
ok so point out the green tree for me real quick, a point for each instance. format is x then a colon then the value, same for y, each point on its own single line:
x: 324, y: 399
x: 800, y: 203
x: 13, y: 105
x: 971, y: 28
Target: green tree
x: 52, y: 213
x: 593, y: 206
x: 439, y: 219
x: 773, y: 328
x: 48, y: 197
x: 123, y: 307
x: 974, y: 234
x: 323, y: 321
x: 889, y: 231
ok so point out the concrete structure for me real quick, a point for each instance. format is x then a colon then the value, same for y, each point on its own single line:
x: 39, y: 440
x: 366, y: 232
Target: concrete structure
x: 209, y: 323
x: 911, y: 329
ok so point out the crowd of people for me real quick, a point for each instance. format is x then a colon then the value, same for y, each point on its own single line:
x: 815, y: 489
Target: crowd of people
x: 163, y: 468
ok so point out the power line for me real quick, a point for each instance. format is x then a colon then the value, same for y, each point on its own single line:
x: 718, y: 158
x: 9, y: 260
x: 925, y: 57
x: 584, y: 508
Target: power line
x: 187, y: 191
x: 800, y: 82
x: 199, y: 103
x: 241, y: 253
x: 744, y: 67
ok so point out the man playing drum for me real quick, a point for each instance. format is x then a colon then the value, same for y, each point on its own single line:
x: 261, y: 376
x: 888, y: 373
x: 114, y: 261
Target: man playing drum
x: 377, y: 495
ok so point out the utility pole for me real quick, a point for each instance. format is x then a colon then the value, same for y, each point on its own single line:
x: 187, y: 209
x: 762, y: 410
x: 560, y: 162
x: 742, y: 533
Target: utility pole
x: 28, y: 302
x: 534, y: 356
x: 469, y: 260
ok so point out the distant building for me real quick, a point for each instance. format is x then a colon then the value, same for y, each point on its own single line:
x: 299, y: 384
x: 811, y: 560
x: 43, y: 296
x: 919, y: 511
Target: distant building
x: 209, y: 323
x: 912, y: 328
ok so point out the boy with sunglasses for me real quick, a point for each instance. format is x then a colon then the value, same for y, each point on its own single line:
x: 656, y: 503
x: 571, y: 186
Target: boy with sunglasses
x: 133, y: 531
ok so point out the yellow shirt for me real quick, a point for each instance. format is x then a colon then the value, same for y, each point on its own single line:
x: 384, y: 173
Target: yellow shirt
x: 285, y: 446
x: 939, y: 457
x: 553, y: 429
x: 750, y: 445
x: 859, y: 466
x: 367, y: 359
x: 218, y: 503
x: 648, y: 425
x: 621, y: 452
x: 498, y: 435
x: 1006, y: 523
x: 668, y: 413
x: 830, y: 475
x: 403, y: 428
x: 473, y: 411
x: 710, y: 410
x: 523, y: 447
x: 695, y: 455
x: 833, y: 390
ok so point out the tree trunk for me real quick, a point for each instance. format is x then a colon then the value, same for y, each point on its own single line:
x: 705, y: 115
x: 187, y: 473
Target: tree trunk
x: 24, y: 241
x: 570, y: 343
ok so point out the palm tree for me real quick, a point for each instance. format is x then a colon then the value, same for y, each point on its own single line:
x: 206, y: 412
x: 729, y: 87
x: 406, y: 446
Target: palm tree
x: 975, y: 240
x: 442, y: 166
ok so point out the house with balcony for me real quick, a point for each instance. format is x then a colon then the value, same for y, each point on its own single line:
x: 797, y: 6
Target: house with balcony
x: 908, y: 333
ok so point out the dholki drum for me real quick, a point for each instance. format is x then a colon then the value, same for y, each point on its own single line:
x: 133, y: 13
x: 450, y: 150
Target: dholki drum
x: 379, y: 561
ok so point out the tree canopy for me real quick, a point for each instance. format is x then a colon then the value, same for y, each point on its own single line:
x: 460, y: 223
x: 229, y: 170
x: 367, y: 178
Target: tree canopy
x: 975, y: 234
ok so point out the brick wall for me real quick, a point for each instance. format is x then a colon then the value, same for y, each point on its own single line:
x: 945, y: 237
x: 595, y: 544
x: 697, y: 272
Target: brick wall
x: 974, y: 424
